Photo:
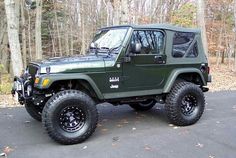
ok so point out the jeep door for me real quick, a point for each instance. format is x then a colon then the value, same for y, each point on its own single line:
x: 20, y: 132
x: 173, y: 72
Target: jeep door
x: 145, y: 69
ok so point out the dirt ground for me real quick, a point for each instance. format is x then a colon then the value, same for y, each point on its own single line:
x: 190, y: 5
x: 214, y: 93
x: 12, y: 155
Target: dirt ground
x: 223, y: 79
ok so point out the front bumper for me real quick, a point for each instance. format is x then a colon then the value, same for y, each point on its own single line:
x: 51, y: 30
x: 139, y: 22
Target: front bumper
x: 23, y: 87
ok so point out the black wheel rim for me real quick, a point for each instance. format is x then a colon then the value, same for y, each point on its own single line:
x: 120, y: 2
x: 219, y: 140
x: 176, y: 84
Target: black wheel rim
x: 72, y: 119
x: 189, y: 105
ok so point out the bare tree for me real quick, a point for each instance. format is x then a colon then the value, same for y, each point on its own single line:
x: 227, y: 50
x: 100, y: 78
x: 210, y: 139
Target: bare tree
x: 235, y: 31
x: 23, y: 36
x: 38, y: 40
x: 201, y: 22
x: 124, y: 12
x: 57, y: 28
x: 13, y: 37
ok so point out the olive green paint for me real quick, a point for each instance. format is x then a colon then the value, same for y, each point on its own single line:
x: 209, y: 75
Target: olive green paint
x: 138, y: 77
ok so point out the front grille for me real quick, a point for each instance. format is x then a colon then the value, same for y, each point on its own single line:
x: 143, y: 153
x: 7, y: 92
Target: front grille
x: 32, y: 70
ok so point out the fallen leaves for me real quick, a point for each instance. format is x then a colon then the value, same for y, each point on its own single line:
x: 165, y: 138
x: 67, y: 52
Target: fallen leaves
x: 3, y: 155
x: 114, y: 144
x: 6, y: 151
x: 184, y: 132
x: 234, y: 108
x: 99, y: 125
x: 8, y: 101
x: 27, y: 122
x: 199, y: 145
x: 219, y: 78
x: 104, y: 130
x: 104, y: 120
x: 208, y: 109
x: 124, y: 121
x: 147, y: 148
x: 119, y: 125
x: 9, y: 115
x: 115, y: 139
x: 174, y: 127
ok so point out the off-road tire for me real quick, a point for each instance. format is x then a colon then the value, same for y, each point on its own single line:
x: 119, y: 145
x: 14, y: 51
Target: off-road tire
x: 33, y: 110
x: 143, y: 106
x: 65, y: 100
x: 176, y: 100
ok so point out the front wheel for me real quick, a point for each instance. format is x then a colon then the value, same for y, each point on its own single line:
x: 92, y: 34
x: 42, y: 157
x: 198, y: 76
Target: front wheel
x: 70, y: 117
x: 185, y: 104
x: 143, y: 106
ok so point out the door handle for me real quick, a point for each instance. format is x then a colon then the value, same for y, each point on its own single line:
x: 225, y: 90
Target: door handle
x: 159, y: 60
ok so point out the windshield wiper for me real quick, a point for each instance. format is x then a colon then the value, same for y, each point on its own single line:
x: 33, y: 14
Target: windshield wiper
x: 104, y: 50
x: 110, y: 50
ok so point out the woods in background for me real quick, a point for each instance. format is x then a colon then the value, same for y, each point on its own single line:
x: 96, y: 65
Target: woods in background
x: 36, y: 29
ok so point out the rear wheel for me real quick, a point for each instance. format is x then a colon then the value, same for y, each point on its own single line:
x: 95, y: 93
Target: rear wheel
x: 143, y: 106
x: 33, y: 110
x: 70, y: 117
x: 185, y: 104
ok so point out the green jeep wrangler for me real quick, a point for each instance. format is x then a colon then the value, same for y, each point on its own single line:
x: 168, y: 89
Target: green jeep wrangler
x: 139, y: 65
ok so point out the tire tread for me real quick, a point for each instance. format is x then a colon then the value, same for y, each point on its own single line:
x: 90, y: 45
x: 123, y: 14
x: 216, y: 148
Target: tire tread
x: 171, y: 103
x: 47, y: 112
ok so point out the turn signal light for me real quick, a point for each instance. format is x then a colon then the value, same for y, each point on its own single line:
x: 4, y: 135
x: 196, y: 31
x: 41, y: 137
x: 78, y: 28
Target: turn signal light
x: 45, y: 82
x: 36, y: 81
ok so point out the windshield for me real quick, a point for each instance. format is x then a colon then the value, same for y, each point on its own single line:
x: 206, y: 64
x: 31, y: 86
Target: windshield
x: 109, y: 39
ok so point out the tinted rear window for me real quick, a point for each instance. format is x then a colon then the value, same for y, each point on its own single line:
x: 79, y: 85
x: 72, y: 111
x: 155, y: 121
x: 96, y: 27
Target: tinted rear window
x: 181, y: 43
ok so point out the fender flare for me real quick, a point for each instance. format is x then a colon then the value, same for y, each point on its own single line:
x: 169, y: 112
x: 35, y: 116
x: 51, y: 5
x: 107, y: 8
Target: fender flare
x: 75, y: 76
x: 175, y: 73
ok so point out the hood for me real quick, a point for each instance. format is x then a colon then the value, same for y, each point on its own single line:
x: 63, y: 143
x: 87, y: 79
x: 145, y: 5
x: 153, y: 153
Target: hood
x: 74, y: 64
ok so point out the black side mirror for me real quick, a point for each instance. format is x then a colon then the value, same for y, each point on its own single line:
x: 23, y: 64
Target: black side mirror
x: 136, y: 48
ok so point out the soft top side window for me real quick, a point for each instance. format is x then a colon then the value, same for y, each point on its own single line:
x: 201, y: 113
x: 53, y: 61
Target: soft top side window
x: 181, y: 43
x: 193, y: 52
x: 152, y: 42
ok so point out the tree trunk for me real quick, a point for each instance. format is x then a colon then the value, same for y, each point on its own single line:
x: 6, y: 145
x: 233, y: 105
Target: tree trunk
x: 234, y: 33
x: 72, y: 39
x: 223, y: 57
x: 23, y: 33
x: 67, y: 30
x: 116, y: 12
x: 124, y: 12
x: 29, y: 35
x: 82, y: 28
x: 17, y: 11
x: 53, y: 43
x: 38, y: 40
x: 219, y: 48
x: 58, y: 30
x: 202, y: 24
x: 13, y: 37
x: 5, y: 56
x: 67, y: 40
